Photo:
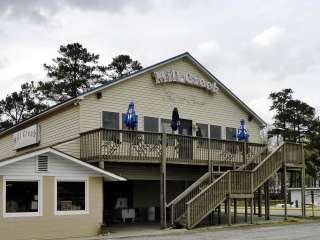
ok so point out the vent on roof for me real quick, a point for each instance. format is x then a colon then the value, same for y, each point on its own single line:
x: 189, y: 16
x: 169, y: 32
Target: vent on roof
x: 42, y: 163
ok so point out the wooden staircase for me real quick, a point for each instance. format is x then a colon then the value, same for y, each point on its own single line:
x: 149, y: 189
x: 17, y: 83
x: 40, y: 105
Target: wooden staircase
x: 211, y: 190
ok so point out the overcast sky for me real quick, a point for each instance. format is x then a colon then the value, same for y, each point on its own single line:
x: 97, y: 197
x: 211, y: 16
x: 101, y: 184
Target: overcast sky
x: 253, y: 47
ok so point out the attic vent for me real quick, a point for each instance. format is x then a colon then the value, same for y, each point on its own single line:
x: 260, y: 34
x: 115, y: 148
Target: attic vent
x: 42, y: 163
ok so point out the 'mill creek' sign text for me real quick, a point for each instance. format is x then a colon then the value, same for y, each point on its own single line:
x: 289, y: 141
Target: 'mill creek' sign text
x: 170, y: 76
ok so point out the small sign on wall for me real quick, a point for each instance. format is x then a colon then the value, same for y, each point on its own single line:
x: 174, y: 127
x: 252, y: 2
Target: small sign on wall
x: 26, y: 137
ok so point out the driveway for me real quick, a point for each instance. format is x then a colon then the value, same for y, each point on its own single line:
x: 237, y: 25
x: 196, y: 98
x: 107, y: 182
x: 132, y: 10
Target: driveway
x: 310, y: 231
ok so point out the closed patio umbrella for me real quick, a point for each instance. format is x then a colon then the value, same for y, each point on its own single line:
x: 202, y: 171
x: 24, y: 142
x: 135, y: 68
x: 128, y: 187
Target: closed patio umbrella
x: 175, y: 122
x: 243, y: 132
x: 131, y: 117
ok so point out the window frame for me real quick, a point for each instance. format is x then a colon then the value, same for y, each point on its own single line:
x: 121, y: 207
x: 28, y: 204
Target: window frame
x: 71, y: 212
x: 38, y: 179
x: 235, y: 132
x: 212, y: 127
x: 119, y: 120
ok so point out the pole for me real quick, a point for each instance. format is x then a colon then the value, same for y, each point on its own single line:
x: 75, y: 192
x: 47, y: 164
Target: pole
x: 235, y: 211
x: 303, y: 194
x: 259, y: 202
x: 163, y: 187
x: 266, y: 201
x: 246, y: 210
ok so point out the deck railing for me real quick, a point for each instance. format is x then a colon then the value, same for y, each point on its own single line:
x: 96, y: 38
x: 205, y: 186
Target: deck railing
x: 139, y: 146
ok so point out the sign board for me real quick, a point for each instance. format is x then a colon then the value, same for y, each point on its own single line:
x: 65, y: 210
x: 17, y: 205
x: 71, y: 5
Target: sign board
x: 170, y: 76
x: 26, y: 137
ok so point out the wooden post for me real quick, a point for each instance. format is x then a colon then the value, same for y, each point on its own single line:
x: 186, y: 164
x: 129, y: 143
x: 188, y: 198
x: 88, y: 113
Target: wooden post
x: 303, y: 194
x: 163, y: 187
x: 251, y: 210
x: 246, y: 210
x: 284, y: 182
x: 219, y: 214
x: 254, y: 204
x: 229, y: 209
x: 210, y: 165
x: 234, y: 211
x: 244, y: 152
x: 285, y: 190
x: 229, y: 199
x: 101, y: 164
x: 259, y: 202
x: 266, y: 201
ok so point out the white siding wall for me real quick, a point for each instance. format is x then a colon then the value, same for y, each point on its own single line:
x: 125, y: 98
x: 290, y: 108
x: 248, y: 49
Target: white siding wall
x: 57, y: 127
x: 57, y: 167
x: 159, y: 100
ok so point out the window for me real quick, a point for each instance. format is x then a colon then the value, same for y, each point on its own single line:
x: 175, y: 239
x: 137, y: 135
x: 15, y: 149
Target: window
x: 22, y: 197
x: 231, y: 133
x: 71, y: 197
x: 202, y: 131
x: 215, y: 132
x: 110, y: 120
x: 166, y: 128
x: 151, y: 124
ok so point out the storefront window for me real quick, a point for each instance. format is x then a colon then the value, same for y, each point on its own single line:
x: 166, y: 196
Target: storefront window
x: 231, y: 133
x: 71, y: 196
x: 22, y: 197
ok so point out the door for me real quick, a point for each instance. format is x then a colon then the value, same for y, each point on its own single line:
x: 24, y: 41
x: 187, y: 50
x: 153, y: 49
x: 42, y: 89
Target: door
x: 185, y: 144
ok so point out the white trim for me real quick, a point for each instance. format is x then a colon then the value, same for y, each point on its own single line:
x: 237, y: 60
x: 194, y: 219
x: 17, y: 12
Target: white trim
x: 71, y: 212
x: 108, y: 175
x: 38, y: 179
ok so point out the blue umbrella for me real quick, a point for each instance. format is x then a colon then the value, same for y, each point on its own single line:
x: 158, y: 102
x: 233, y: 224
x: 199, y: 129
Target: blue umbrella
x: 243, y: 132
x: 131, y: 117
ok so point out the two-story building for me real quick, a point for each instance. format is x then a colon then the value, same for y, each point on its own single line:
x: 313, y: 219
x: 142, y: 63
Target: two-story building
x: 70, y: 169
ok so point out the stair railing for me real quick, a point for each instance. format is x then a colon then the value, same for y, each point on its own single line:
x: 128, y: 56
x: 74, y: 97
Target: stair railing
x: 178, y: 205
x: 256, y: 159
x: 209, y: 198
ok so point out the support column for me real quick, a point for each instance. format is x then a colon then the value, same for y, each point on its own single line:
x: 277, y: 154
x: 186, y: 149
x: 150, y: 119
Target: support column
x: 285, y: 190
x: 251, y: 210
x: 266, y: 201
x: 163, y: 187
x: 303, y: 194
x: 234, y: 211
x: 101, y: 164
x: 254, y: 204
x: 219, y: 214
x: 259, y: 202
x: 246, y: 210
x: 229, y: 209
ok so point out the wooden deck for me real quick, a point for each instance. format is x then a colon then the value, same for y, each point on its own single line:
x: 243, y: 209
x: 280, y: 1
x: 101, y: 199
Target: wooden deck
x: 147, y: 147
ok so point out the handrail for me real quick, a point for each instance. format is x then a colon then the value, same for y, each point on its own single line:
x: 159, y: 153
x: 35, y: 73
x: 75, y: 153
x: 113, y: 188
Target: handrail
x: 267, y: 157
x: 206, y: 188
x: 252, y: 159
x: 189, y: 189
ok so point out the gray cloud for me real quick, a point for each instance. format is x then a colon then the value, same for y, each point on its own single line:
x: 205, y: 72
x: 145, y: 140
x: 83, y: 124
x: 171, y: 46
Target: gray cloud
x: 253, y: 47
x: 39, y: 11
